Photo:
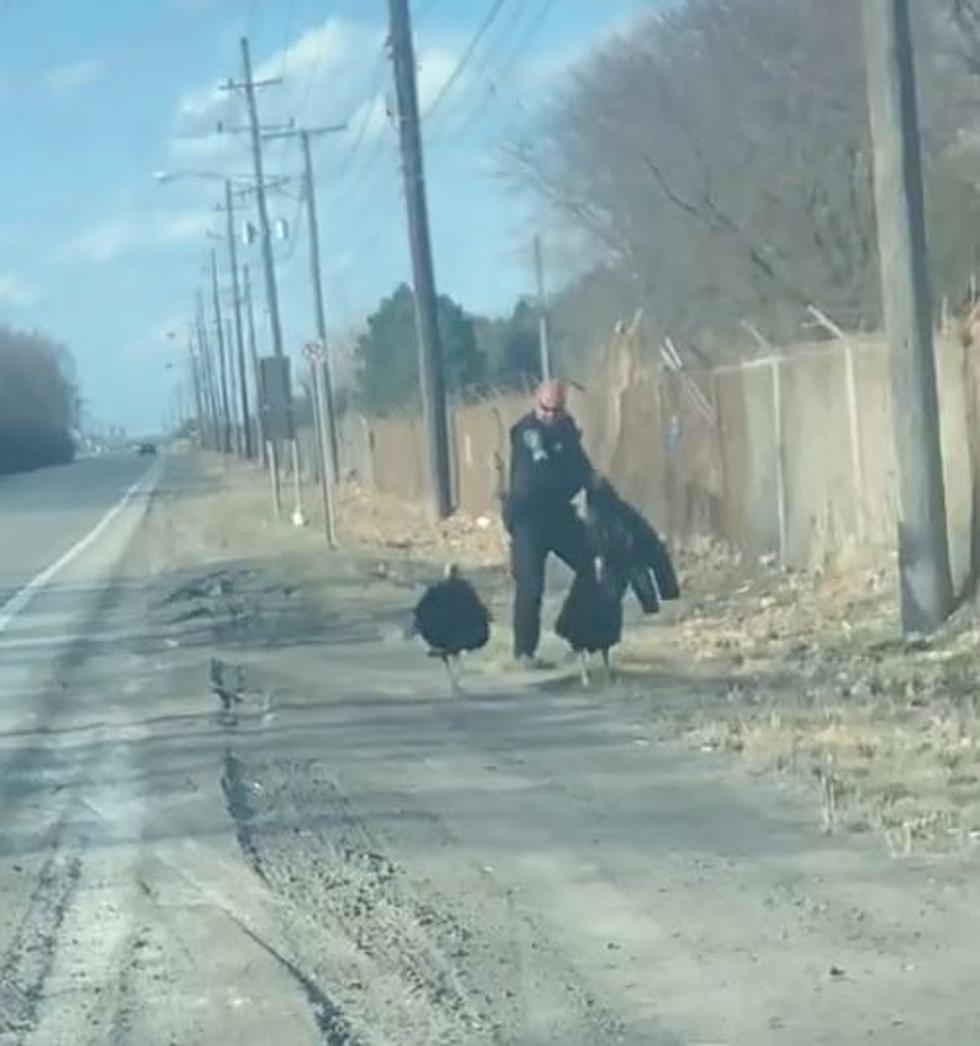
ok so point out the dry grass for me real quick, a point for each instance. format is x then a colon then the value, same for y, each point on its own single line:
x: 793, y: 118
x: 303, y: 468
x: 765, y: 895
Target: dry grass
x: 394, y: 528
x: 817, y: 684
x: 230, y: 513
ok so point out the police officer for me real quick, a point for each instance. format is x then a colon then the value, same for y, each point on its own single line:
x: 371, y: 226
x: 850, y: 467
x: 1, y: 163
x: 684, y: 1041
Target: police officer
x: 548, y: 467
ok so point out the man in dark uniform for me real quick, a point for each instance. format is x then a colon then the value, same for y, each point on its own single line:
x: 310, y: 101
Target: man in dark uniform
x: 548, y: 467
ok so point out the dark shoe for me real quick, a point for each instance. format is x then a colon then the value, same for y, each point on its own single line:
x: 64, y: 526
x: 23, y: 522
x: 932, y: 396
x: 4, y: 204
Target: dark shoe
x: 527, y: 663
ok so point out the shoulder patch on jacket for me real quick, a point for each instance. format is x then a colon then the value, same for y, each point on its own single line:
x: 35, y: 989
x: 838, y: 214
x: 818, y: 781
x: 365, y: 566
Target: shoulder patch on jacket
x: 534, y: 443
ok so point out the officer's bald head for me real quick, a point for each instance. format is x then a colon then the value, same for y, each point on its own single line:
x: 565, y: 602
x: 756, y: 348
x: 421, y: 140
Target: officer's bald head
x: 549, y: 400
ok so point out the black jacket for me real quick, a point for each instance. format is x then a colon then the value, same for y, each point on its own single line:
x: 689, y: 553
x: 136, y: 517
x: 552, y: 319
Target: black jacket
x: 548, y: 467
x: 631, y: 548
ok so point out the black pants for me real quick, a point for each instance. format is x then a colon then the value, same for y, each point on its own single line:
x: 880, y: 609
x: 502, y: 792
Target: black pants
x: 531, y: 541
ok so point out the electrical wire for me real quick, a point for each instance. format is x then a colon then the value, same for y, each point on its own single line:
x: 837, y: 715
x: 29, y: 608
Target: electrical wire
x: 492, y: 92
x: 493, y: 12
x: 288, y: 26
x: 382, y: 220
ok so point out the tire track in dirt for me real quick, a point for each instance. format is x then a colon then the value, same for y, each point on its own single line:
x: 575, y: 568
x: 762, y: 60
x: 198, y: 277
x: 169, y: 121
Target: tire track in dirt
x: 328, y: 1015
x: 403, y: 956
x: 358, y: 880
x: 467, y: 966
x: 240, y: 810
x: 29, y: 959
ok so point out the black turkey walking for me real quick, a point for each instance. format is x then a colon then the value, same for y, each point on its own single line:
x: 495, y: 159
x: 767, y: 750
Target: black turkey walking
x: 451, y: 618
x: 591, y: 618
x: 627, y: 553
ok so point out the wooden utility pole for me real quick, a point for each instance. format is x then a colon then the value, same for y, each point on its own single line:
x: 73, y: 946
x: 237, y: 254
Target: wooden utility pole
x: 923, y: 543
x: 236, y: 432
x: 222, y: 360
x: 312, y: 223
x: 210, y: 383
x: 253, y: 353
x: 248, y: 85
x: 431, y: 373
x: 543, y: 345
x: 193, y: 361
x: 325, y: 384
x: 229, y: 209
x: 316, y: 354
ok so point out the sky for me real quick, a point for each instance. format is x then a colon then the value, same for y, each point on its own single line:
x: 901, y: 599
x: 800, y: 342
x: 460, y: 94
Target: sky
x: 97, y: 97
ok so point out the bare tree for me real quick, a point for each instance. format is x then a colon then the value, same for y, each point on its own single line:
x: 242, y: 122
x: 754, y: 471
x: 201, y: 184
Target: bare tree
x: 720, y: 155
x: 37, y: 401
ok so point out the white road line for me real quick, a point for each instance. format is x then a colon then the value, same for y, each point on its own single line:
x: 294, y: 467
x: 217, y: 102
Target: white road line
x: 16, y: 604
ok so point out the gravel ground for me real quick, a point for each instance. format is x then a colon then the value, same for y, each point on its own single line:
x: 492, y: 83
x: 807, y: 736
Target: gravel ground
x: 342, y: 853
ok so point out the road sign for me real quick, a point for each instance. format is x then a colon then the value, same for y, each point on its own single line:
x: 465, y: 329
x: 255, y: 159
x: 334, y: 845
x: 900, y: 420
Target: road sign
x: 276, y: 398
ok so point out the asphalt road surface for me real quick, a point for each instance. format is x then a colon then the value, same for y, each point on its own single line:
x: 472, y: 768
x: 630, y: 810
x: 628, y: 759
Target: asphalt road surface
x: 345, y: 854
x: 44, y: 513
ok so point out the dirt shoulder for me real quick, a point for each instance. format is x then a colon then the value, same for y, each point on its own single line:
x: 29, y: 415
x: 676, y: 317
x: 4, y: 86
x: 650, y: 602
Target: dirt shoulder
x: 800, y: 673
x: 820, y: 687
x: 532, y: 863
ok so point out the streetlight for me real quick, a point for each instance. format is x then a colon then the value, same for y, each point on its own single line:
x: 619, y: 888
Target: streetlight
x: 163, y: 177
x: 242, y: 186
x: 245, y: 434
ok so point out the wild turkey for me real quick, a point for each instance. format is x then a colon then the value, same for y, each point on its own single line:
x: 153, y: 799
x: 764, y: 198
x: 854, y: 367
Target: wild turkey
x: 591, y: 618
x: 627, y: 554
x: 451, y: 619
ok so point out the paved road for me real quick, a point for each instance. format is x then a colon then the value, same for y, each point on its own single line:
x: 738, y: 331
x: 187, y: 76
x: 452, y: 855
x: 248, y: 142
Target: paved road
x: 44, y: 513
x: 352, y: 857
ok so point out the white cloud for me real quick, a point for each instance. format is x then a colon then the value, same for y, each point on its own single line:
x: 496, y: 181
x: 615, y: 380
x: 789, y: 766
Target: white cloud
x: 331, y: 70
x: 16, y: 291
x: 66, y: 79
x: 547, y: 68
x: 316, y: 60
x: 181, y: 226
x: 325, y: 50
x: 326, y: 62
x: 101, y: 243
x: 199, y: 109
x: 217, y: 153
x: 372, y: 115
x: 544, y: 68
x: 435, y: 66
x: 118, y: 236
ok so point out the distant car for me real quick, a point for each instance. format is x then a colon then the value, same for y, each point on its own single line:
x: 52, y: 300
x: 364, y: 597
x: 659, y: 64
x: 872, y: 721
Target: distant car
x: 147, y: 448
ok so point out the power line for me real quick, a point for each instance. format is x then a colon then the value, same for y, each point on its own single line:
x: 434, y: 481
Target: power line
x: 381, y: 217
x: 344, y: 168
x: 382, y: 223
x: 310, y: 80
x: 423, y: 10
x: 530, y: 32
x: 374, y: 96
x: 511, y: 59
x: 365, y: 173
x: 491, y: 16
x: 288, y: 26
x: 365, y: 182
x: 294, y: 226
x: 492, y: 92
